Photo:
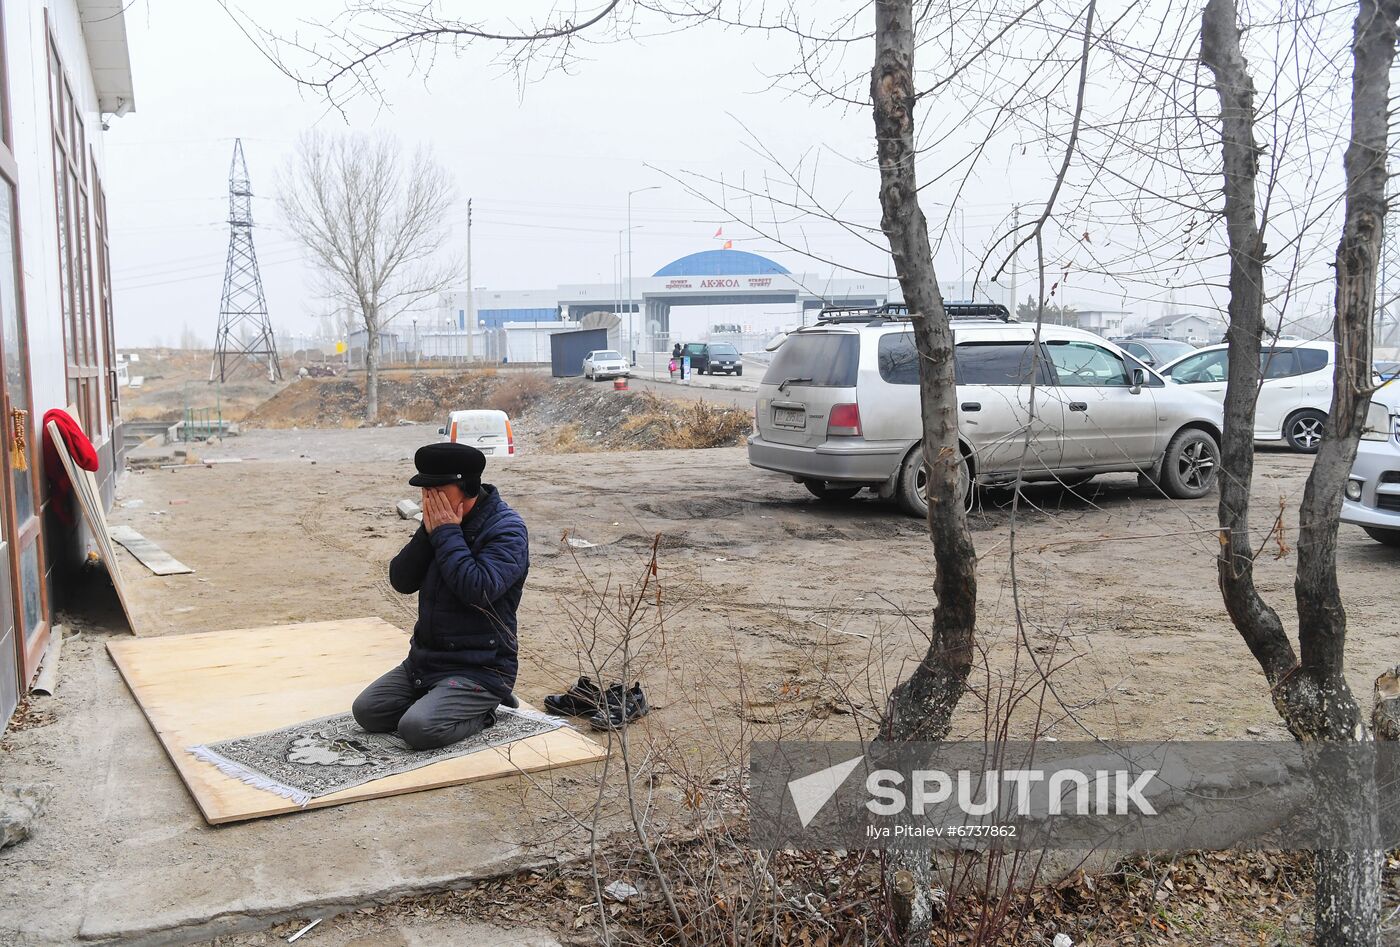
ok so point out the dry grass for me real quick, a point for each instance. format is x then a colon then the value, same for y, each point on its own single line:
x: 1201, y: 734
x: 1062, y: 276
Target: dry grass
x: 696, y: 425
x: 564, y: 439
x: 515, y: 394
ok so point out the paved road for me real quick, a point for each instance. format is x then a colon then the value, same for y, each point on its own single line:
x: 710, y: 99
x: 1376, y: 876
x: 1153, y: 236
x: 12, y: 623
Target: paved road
x: 753, y: 371
x: 718, y: 394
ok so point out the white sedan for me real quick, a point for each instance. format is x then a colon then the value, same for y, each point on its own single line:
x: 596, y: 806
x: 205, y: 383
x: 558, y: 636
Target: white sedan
x: 1293, y: 399
x: 605, y: 363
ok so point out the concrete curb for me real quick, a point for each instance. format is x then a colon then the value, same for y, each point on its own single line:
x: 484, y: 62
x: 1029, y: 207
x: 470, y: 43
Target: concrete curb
x: 663, y: 380
x: 256, y: 917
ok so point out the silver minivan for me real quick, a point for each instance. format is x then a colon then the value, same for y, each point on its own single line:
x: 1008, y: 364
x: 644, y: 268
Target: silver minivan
x: 838, y: 409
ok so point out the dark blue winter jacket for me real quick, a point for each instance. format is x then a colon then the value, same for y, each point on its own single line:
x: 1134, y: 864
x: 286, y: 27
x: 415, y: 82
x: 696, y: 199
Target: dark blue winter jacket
x: 469, y: 582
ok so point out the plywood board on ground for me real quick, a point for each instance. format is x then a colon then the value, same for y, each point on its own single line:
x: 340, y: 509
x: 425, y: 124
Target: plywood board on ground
x: 148, y: 553
x: 90, y: 502
x: 217, y: 685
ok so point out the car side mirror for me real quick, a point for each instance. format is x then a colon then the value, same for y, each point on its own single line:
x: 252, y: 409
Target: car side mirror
x: 442, y: 431
x: 1139, y: 379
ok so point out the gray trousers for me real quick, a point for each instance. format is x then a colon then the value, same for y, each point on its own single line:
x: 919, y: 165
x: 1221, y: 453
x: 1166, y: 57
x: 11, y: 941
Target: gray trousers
x: 425, y: 717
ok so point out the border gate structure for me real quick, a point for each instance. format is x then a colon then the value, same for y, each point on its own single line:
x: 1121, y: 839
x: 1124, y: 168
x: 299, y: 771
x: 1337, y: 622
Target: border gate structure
x: 245, y: 330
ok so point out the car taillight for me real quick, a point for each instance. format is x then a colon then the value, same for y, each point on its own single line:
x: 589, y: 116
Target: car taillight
x: 453, y: 436
x: 510, y: 438
x: 844, y: 421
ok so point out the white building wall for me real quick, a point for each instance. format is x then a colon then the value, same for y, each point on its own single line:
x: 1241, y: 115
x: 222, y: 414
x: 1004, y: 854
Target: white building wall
x: 1102, y: 321
x: 529, y: 341
x: 26, y: 49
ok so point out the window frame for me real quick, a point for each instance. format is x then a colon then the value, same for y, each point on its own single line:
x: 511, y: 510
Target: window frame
x: 73, y: 208
x: 29, y: 533
x: 1127, y: 376
x: 891, y: 377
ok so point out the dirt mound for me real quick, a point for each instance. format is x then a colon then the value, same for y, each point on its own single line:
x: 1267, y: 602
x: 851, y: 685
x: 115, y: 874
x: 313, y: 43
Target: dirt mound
x: 552, y: 415
x: 579, y: 416
x: 175, y: 379
x: 403, y: 396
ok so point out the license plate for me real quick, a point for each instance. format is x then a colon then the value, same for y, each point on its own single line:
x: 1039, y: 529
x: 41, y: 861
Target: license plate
x: 790, y: 417
x: 487, y: 450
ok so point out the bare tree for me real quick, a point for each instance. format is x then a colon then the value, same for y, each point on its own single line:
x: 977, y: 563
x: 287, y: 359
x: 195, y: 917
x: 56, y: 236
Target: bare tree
x: 921, y: 706
x: 374, y: 223
x: 1309, y: 688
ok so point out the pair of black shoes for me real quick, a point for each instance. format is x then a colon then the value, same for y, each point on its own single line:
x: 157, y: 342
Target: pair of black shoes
x: 605, y: 710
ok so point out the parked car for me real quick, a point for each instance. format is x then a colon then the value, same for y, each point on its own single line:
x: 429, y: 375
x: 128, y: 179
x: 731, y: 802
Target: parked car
x: 488, y: 431
x: 1293, y: 398
x: 720, y: 357
x: 711, y: 358
x: 605, y: 363
x: 1387, y: 370
x: 1154, y: 353
x: 838, y: 409
x: 1372, y: 496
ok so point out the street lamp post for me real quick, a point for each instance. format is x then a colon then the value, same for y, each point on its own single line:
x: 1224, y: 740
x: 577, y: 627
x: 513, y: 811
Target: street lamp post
x: 631, y: 336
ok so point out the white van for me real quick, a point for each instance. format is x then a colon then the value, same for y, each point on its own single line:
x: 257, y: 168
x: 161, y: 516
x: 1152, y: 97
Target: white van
x: 486, y: 430
x: 838, y: 408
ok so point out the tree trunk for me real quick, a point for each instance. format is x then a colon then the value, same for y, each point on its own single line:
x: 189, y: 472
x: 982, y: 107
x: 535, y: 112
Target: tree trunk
x: 1309, y: 690
x: 921, y: 707
x: 1348, y: 880
x: 1256, y: 621
x: 371, y: 371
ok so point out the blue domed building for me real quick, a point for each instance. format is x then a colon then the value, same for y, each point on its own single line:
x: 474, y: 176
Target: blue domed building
x: 762, y: 296
x: 722, y: 263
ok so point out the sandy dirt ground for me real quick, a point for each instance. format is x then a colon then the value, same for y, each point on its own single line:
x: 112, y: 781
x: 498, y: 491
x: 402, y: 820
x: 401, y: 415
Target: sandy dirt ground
x: 783, y: 614
x: 769, y: 584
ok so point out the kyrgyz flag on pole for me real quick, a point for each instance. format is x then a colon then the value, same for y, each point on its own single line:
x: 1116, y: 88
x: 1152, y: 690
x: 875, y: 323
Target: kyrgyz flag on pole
x: 728, y: 245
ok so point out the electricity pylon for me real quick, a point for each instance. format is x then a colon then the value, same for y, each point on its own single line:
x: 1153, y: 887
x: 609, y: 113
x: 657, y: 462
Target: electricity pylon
x: 245, y: 331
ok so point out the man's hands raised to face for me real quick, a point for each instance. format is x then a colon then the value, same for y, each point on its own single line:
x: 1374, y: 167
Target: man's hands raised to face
x: 438, y: 510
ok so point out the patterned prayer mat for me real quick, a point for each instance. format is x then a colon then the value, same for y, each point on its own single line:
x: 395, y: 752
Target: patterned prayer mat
x: 318, y: 757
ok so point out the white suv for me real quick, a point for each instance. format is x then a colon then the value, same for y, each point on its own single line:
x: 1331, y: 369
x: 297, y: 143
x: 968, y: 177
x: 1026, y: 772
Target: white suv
x: 1294, y: 396
x: 838, y: 409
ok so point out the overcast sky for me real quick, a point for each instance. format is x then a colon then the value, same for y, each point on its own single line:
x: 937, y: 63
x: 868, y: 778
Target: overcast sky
x: 548, y: 165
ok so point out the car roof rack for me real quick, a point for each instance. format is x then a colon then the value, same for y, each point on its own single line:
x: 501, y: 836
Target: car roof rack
x: 891, y: 312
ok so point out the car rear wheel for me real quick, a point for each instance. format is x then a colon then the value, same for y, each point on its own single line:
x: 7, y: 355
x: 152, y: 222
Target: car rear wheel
x: 820, y: 490
x: 913, y: 484
x: 1386, y: 537
x: 1304, y: 431
x: 1190, y: 465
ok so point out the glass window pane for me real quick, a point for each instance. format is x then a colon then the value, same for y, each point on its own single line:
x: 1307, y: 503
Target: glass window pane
x: 899, y: 359
x: 16, y: 352
x: 1311, y: 360
x: 816, y: 360
x: 1085, y: 365
x: 64, y: 270
x: 29, y: 584
x: 1203, y: 368
x: 993, y: 363
x: 1278, y: 363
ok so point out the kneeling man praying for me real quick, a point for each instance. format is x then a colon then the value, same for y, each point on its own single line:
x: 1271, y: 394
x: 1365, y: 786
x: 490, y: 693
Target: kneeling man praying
x: 468, y: 563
